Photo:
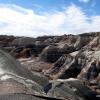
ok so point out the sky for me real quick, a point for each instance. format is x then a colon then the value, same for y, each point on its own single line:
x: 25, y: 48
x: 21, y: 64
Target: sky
x: 48, y: 17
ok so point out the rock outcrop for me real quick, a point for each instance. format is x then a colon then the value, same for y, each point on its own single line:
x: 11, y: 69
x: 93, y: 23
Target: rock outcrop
x: 13, y: 75
x: 56, y: 58
x: 71, y: 89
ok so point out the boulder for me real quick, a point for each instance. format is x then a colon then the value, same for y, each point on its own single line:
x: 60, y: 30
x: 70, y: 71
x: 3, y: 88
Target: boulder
x: 71, y: 89
x: 51, y: 54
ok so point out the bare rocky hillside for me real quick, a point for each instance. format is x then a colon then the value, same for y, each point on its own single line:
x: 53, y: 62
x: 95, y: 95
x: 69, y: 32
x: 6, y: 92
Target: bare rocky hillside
x: 61, y: 67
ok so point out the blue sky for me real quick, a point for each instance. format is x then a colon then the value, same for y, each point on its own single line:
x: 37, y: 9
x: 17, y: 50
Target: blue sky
x: 48, y: 17
x: 45, y: 5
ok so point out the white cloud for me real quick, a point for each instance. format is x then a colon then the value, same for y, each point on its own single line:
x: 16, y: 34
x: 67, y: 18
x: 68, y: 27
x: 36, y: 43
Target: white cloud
x: 84, y: 1
x: 25, y: 22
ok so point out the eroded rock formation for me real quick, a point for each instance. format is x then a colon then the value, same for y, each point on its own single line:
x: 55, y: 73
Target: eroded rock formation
x: 56, y: 58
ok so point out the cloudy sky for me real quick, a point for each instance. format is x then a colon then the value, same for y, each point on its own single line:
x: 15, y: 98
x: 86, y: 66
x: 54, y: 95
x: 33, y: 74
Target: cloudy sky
x: 49, y: 17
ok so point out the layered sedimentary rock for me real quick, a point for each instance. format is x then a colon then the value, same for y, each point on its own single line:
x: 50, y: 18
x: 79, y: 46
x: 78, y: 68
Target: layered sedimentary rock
x: 71, y: 89
x: 51, y: 58
x: 12, y: 74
